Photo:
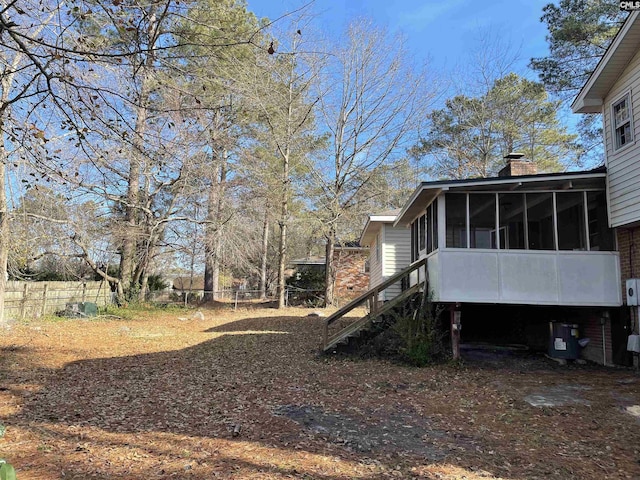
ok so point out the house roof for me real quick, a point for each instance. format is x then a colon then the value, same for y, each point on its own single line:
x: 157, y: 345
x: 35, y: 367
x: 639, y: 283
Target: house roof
x: 354, y: 246
x: 428, y: 191
x: 617, y: 57
x: 374, y: 225
x: 313, y: 260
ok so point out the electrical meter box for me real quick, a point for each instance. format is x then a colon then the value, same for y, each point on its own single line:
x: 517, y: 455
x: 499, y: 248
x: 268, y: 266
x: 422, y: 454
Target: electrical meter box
x: 632, y: 291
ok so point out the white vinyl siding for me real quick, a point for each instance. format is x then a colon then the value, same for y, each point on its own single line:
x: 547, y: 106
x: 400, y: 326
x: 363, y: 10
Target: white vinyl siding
x: 396, y: 254
x: 395, y: 248
x: 623, y: 164
x: 375, y: 264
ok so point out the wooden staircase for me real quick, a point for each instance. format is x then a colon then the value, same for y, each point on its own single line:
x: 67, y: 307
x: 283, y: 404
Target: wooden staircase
x: 376, y: 309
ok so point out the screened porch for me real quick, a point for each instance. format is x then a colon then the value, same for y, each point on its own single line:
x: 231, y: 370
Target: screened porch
x: 540, y: 240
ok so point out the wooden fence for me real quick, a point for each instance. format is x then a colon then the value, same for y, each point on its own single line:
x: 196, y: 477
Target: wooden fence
x: 32, y: 299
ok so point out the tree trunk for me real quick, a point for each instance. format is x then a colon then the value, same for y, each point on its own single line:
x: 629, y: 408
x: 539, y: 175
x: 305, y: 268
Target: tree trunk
x: 213, y: 228
x: 284, y: 219
x: 329, y: 273
x: 264, y: 253
x: 282, y: 248
x: 130, y: 233
x: 4, y: 226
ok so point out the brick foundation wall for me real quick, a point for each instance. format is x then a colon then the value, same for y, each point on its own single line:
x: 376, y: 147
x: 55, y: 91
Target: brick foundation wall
x: 592, y: 329
x: 629, y: 248
x: 351, y: 279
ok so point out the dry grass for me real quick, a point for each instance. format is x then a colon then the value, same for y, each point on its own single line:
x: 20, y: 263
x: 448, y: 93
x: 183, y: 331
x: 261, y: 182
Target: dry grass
x: 158, y: 397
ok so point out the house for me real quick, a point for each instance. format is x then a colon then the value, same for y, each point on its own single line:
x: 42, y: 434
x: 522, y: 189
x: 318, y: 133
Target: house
x: 506, y: 256
x: 389, y: 250
x: 189, y: 284
x: 514, y: 252
x: 352, y: 275
x: 613, y: 90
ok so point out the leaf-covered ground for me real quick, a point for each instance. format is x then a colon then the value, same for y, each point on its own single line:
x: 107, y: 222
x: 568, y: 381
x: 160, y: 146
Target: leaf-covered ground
x: 245, y: 395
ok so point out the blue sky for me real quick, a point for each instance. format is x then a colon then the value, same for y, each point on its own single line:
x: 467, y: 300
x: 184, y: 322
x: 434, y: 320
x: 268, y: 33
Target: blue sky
x: 443, y: 31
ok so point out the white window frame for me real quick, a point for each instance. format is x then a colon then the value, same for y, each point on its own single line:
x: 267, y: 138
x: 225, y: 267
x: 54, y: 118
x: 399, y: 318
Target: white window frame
x: 615, y: 126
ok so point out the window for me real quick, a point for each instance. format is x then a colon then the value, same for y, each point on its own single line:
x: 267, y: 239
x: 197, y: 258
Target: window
x: 456, y: 218
x: 621, y: 121
x: 571, y: 228
x: 511, y: 221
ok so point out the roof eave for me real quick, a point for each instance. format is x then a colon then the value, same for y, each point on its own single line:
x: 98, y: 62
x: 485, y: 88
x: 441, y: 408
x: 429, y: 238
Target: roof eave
x: 587, y: 105
x: 582, y: 102
x: 407, y: 214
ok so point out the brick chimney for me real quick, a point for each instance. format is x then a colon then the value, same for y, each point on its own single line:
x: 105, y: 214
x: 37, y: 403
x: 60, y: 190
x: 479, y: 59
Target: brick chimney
x: 517, y: 166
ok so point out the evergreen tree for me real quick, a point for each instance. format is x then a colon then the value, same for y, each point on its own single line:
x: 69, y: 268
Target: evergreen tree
x: 471, y: 135
x: 579, y: 33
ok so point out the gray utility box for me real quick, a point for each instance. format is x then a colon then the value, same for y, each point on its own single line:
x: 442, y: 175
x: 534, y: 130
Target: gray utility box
x: 82, y: 309
x: 563, y: 340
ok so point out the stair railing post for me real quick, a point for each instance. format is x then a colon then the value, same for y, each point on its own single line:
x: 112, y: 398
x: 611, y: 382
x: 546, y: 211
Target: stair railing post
x: 325, y: 334
x: 374, y: 303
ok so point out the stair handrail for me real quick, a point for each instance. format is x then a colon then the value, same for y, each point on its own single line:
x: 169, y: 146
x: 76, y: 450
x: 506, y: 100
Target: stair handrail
x: 372, y: 295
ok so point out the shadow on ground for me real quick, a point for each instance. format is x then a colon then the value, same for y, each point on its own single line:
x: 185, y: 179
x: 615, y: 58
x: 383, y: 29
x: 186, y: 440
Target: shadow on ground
x: 260, y: 403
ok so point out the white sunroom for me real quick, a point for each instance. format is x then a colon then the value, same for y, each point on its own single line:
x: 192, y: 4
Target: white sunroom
x: 532, y: 240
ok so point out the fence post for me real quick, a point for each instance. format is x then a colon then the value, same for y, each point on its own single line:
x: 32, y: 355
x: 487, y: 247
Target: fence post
x: 23, y: 305
x: 44, y: 299
x: 236, y: 305
x: 84, y: 291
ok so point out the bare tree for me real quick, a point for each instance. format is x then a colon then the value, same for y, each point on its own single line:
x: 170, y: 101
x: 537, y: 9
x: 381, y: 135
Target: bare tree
x: 373, y: 102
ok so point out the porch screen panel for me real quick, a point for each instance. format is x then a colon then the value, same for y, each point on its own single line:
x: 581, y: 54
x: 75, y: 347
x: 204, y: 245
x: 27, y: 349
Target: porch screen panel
x: 571, y: 228
x: 456, y: 220
x: 482, y: 220
x: 600, y: 235
x: 421, y: 233
x: 540, y: 221
x: 434, y: 216
x: 429, y: 217
x: 511, y: 206
x: 414, y: 241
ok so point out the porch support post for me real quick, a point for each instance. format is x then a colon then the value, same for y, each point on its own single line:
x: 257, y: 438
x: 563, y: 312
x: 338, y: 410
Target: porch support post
x: 456, y: 326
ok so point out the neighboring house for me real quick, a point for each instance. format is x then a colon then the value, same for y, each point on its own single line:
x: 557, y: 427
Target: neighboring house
x: 389, y: 250
x: 183, y: 284
x: 613, y: 90
x: 352, y: 276
x: 514, y: 252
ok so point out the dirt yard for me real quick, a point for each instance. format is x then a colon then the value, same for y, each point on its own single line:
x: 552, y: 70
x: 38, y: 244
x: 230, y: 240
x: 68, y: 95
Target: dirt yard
x: 245, y: 395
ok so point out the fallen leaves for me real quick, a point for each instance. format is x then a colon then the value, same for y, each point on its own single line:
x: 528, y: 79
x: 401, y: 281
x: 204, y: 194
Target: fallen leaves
x: 245, y: 395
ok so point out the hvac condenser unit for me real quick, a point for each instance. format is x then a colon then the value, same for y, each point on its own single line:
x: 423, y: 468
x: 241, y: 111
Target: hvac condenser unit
x: 632, y: 291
